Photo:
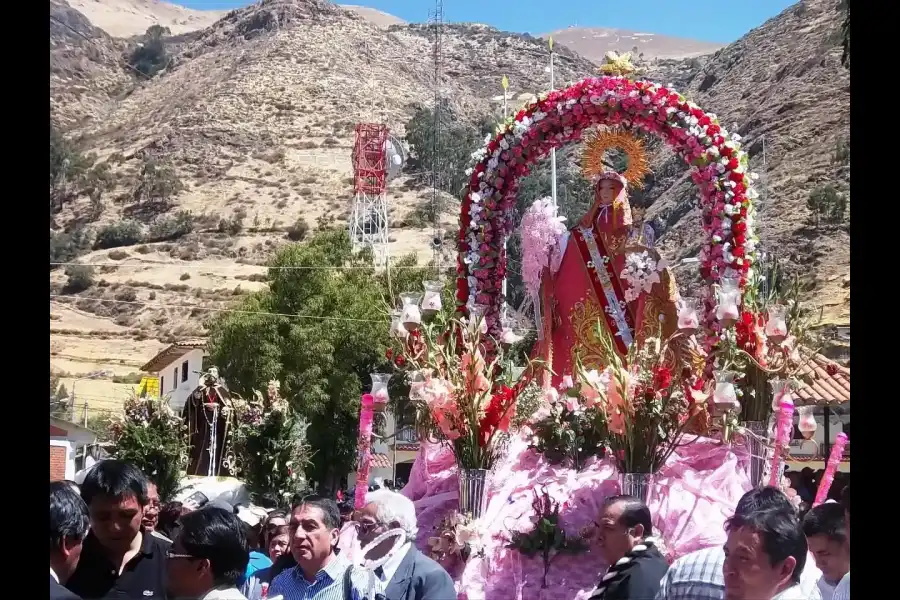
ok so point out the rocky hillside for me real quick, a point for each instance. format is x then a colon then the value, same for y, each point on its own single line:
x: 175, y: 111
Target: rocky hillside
x: 126, y: 18
x: 255, y: 114
x: 594, y: 42
x: 781, y: 87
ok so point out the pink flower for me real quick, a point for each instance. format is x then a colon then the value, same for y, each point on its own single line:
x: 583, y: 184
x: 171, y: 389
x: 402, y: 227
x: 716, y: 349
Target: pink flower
x: 567, y: 382
x: 551, y: 396
x: 571, y: 403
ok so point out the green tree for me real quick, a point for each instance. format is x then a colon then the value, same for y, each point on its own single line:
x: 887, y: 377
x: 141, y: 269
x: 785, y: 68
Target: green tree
x: 827, y: 204
x: 324, y: 357
x: 150, y: 56
x: 448, y: 154
x: 73, y: 175
x: 157, y: 183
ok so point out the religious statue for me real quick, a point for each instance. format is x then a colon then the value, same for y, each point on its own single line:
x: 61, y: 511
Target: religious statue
x: 605, y: 270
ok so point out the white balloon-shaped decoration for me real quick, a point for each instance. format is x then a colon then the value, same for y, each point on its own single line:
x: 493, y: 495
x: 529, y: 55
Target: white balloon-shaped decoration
x: 410, y: 315
x: 431, y: 300
x: 728, y: 297
x: 687, y: 314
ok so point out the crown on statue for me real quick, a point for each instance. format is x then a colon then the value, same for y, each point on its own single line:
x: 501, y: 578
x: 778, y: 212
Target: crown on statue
x: 598, y: 143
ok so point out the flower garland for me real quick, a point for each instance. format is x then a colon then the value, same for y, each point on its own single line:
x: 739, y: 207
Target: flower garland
x: 559, y: 117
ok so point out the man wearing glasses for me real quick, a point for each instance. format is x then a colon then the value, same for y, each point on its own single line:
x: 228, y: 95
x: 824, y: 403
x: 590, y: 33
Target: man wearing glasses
x: 208, y: 557
x: 321, y: 573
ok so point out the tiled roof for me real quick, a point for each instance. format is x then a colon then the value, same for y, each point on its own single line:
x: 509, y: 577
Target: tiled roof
x: 170, y: 354
x: 380, y: 461
x: 823, y: 382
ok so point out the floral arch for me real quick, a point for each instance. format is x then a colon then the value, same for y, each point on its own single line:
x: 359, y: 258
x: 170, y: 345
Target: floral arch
x: 719, y: 168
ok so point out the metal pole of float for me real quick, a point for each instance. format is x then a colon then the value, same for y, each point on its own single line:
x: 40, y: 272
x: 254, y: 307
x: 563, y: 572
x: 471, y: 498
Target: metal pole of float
x: 552, y: 150
x: 505, y: 83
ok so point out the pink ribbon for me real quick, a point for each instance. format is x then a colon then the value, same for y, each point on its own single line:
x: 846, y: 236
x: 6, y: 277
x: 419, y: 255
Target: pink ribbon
x: 782, y: 438
x: 364, y: 450
x: 834, y: 459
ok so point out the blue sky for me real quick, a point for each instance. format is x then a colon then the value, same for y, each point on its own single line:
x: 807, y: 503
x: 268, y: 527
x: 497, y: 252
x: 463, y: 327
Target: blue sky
x: 706, y: 21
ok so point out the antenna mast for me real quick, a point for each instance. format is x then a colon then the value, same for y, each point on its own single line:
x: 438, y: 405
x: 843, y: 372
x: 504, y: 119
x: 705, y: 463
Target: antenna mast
x: 436, y: 175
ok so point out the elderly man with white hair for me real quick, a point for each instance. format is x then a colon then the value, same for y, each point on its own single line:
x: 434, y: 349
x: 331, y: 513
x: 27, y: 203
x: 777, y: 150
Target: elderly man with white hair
x: 386, y: 528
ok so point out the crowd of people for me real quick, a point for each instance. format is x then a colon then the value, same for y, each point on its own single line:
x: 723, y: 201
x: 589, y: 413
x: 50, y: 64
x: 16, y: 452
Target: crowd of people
x: 111, y: 539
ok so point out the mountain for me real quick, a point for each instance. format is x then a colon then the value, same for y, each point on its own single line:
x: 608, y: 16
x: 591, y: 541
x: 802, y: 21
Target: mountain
x: 126, y: 18
x: 255, y: 115
x: 382, y: 19
x: 594, y: 42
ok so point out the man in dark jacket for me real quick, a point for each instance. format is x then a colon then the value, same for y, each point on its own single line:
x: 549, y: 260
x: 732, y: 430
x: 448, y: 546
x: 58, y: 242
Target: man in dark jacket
x: 69, y: 524
x: 625, y: 530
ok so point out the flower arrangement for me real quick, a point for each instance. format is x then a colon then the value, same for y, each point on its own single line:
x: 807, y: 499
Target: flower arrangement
x: 647, y: 408
x: 268, y: 447
x: 547, y: 538
x: 152, y: 437
x: 468, y: 401
x: 720, y: 169
x: 458, y: 536
x: 569, y: 427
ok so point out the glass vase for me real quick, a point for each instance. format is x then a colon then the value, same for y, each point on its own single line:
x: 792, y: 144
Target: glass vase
x: 380, y: 388
x: 410, y: 314
x: 728, y: 299
x: 477, y: 320
x: 776, y: 325
x: 637, y: 485
x: 725, y: 395
x: 472, y: 488
x: 431, y: 300
x: 781, y: 392
x: 397, y: 329
x: 807, y: 422
x: 757, y: 447
x: 687, y: 314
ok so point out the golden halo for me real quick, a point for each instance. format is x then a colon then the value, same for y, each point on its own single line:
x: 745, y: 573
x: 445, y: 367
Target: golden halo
x: 597, y: 143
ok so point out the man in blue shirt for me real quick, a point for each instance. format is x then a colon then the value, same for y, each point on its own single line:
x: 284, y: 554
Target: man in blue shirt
x: 321, y: 573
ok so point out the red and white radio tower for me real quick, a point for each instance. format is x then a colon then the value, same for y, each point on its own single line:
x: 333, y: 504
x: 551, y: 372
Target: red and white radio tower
x: 369, y: 217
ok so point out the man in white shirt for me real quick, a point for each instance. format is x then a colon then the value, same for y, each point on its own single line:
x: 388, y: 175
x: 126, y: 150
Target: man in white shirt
x: 698, y: 575
x: 764, y: 556
x: 826, y: 533
x: 842, y: 591
x: 404, y: 573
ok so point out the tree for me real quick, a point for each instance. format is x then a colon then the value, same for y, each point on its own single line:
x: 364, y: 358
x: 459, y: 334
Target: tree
x: 324, y: 357
x: 451, y: 150
x: 828, y: 204
x: 150, y: 56
x: 73, y: 175
x: 157, y: 183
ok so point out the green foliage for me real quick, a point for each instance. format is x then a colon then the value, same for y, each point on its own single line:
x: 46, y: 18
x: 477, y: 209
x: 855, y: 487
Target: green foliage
x: 80, y: 278
x: 150, y: 56
x: 73, y: 175
x: 841, y: 154
x: 269, y: 444
x: 152, y: 438
x: 547, y: 539
x: 171, y: 227
x: 116, y: 235
x: 827, y: 204
x: 323, y: 361
x: 297, y: 232
x: 232, y: 226
x: 157, y: 183
x: 570, y: 436
x: 67, y: 246
x: 451, y: 151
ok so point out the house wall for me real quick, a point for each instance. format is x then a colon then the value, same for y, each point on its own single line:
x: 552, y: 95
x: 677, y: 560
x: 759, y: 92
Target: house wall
x: 173, y: 386
x: 62, y: 460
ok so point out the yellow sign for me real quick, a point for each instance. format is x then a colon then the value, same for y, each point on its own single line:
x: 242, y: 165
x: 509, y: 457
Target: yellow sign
x: 504, y: 82
x: 148, y: 388
x: 550, y: 42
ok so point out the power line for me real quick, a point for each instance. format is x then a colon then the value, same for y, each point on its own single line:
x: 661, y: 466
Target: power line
x: 228, y: 310
x: 143, y: 263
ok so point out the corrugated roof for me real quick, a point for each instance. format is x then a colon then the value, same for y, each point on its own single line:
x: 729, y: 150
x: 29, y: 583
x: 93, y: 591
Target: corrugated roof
x: 170, y: 354
x: 823, y: 382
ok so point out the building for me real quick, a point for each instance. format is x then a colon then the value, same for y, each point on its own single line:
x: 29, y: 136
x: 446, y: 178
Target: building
x: 393, y: 453
x: 175, y: 372
x: 825, y: 388
x: 65, y: 440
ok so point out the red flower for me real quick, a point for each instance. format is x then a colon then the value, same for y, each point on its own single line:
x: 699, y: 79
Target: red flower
x: 662, y: 378
x: 399, y: 360
x: 499, y: 411
x: 831, y: 369
x: 389, y: 354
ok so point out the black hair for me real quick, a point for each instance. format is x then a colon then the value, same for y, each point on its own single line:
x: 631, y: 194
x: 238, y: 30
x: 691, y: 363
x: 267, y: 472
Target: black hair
x: 845, y: 498
x: 218, y: 536
x: 764, y: 498
x: 781, y: 535
x: 331, y: 515
x: 114, y: 479
x: 634, y: 512
x: 828, y: 520
x: 68, y: 514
